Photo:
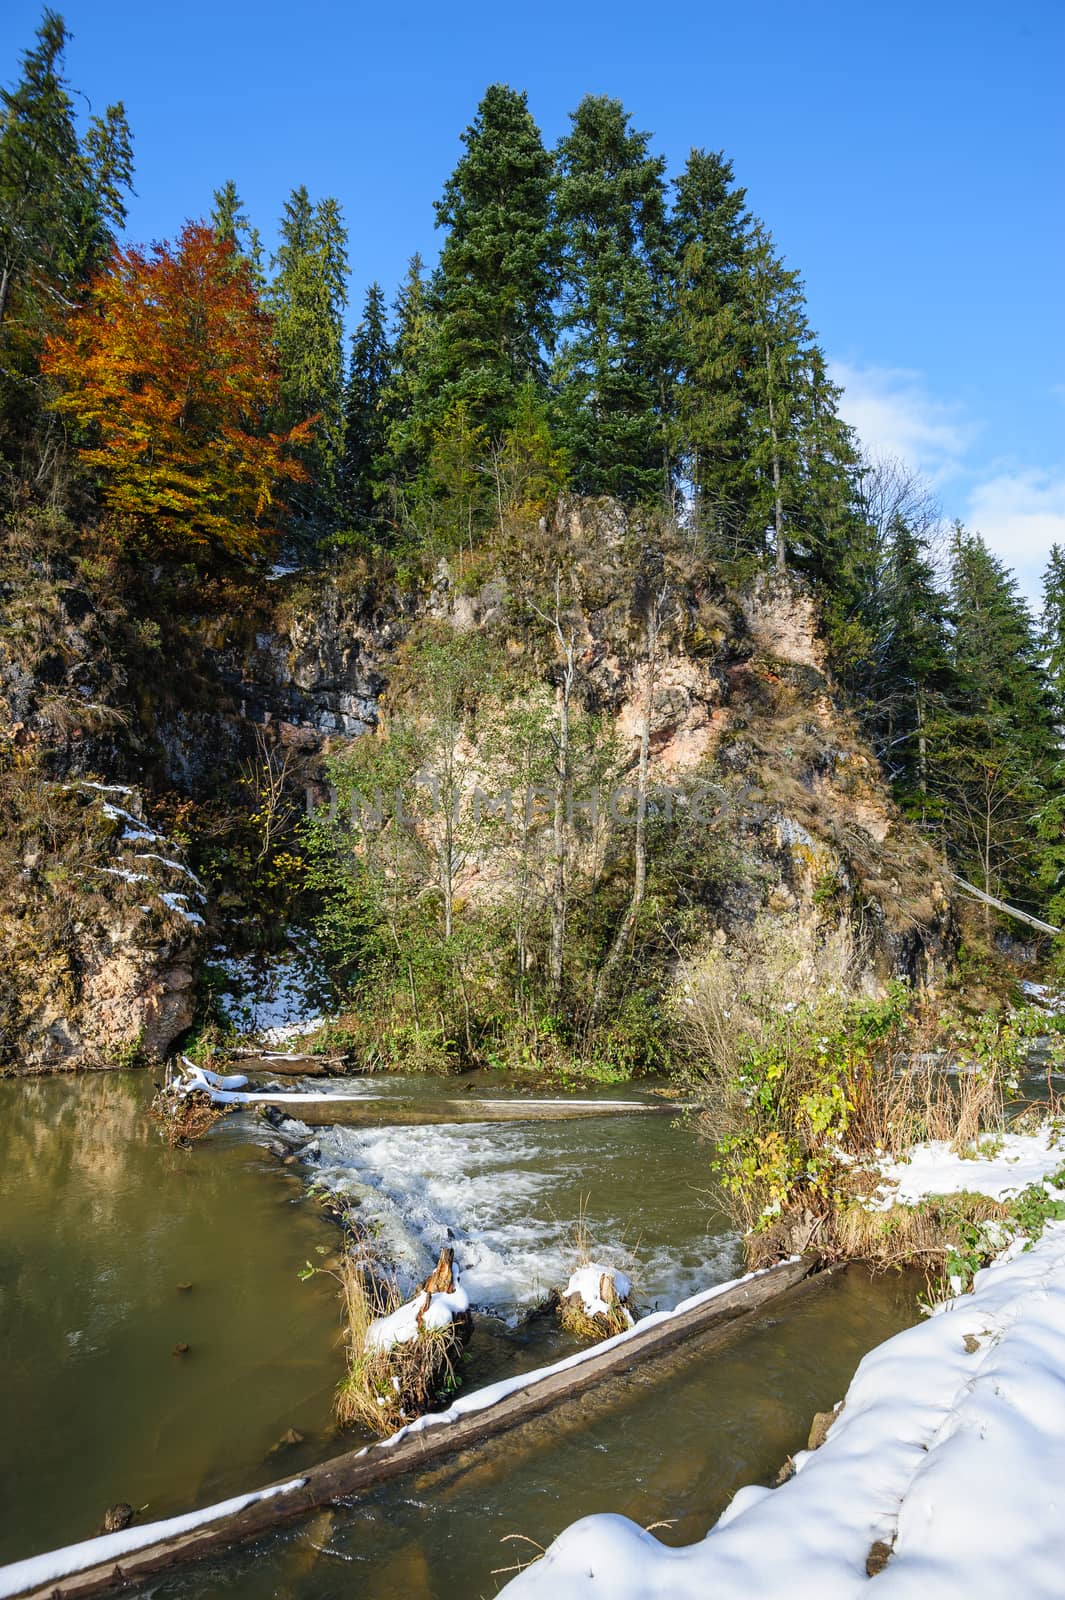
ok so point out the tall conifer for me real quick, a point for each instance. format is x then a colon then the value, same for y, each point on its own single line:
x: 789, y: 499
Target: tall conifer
x: 365, y: 415
x: 491, y: 296
x: 308, y: 296
x: 614, y: 364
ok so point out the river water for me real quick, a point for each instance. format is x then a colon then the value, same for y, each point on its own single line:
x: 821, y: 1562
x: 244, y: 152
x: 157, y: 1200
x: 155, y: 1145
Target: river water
x: 102, y: 1224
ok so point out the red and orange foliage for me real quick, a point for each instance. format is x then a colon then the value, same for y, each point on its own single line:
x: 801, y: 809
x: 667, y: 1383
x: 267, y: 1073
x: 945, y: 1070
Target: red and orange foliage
x: 168, y: 366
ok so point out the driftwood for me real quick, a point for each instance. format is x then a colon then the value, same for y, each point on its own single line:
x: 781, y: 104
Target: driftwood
x: 289, y: 1065
x: 360, y: 1470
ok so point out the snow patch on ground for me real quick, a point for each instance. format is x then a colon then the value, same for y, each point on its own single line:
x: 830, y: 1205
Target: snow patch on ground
x: 1009, y: 1165
x: 273, y: 998
x: 179, y: 905
x: 950, y: 1448
x: 127, y: 877
x: 1041, y: 994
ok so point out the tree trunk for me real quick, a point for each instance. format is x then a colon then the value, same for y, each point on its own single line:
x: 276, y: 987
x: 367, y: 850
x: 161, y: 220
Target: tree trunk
x: 778, y: 507
x: 558, y: 886
x: 625, y: 927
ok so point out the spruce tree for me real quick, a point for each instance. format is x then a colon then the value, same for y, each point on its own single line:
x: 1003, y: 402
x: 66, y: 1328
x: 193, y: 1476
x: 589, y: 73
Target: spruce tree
x: 61, y: 202
x: 405, y: 453
x: 774, y: 313
x: 307, y: 297
x: 614, y: 366
x: 230, y: 222
x: 992, y: 755
x: 1053, y: 630
x: 915, y: 674
x: 711, y: 224
x: 365, y: 415
x: 228, y: 217
x: 491, y: 296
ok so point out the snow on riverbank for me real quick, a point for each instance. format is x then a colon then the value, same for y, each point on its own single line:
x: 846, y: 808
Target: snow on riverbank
x: 950, y: 1449
x: 274, y: 999
x: 1004, y: 1168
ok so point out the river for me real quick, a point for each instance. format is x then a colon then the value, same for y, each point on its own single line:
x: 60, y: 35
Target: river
x: 103, y: 1225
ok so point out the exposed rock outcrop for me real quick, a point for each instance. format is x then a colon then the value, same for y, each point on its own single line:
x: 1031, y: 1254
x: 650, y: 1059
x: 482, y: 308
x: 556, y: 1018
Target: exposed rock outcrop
x: 101, y: 929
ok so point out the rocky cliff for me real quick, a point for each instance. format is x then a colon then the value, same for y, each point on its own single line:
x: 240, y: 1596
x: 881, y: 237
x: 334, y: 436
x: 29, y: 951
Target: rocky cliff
x: 101, y: 923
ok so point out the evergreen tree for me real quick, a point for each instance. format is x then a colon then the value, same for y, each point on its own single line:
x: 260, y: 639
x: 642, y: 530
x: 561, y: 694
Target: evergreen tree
x: 228, y: 217
x: 774, y: 311
x: 491, y: 295
x: 996, y: 647
x: 231, y: 225
x: 404, y: 455
x: 61, y: 202
x: 1053, y: 631
x: 615, y: 362
x: 308, y: 297
x: 711, y: 225
x: 365, y: 416
x: 915, y: 674
x: 991, y: 755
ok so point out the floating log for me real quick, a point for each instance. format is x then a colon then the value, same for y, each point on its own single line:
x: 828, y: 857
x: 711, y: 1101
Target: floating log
x: 320, y: 1110
x: 710, y: 1322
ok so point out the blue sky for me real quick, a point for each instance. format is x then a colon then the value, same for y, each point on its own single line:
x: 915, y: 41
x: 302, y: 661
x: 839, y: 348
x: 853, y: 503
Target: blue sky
x: 907, y: 157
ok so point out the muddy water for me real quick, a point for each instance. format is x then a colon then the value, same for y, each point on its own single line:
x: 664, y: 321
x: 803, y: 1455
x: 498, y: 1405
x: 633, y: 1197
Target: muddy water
x: 101, y: 1224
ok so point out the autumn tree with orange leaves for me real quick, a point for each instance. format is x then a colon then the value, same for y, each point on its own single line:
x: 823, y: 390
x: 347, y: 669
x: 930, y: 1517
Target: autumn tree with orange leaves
x: 168, y: 371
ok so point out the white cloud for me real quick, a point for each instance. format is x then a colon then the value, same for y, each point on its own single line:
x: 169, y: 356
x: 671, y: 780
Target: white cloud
x: 894, y: 414
x: 1020, y: 514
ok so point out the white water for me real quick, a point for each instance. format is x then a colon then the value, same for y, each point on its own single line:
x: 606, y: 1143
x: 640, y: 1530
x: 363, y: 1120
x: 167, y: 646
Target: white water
x: 510, y: 1198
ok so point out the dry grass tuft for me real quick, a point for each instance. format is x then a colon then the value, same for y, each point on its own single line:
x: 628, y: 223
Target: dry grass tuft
x: 577, y: 1321
x: 383, y: 1389
x: 573, y: 1316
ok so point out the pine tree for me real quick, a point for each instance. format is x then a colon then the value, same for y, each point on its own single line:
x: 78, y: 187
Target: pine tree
x: 365, y: 415
x: 307, y: 297
x: 614, y: 367
x: 491, y: 296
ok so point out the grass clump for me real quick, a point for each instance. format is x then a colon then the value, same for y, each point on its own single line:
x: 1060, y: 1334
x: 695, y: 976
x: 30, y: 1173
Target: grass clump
x: 612, y: 1293
x: 387, y: 1385
x: 598, y: 1301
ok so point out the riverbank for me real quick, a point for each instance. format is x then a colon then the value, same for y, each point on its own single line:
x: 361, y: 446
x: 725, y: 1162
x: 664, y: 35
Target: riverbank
x: 940, y: 1475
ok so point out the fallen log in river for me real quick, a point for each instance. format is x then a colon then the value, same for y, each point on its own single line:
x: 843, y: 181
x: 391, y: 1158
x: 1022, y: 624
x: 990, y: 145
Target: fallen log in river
x: 113, y: 1561
x: 319, y: 1110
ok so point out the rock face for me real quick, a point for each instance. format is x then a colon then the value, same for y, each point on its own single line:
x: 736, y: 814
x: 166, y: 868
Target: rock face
x: 100, y: 927
x: 742, y: 701
x: 101, y: 930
